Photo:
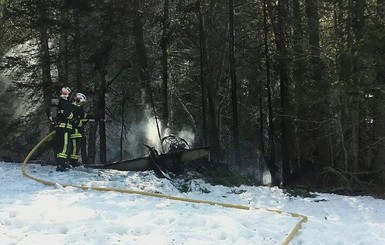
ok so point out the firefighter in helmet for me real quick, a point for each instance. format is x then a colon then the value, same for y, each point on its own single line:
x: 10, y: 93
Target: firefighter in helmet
x: 63, y: 128
x: 80, y: 118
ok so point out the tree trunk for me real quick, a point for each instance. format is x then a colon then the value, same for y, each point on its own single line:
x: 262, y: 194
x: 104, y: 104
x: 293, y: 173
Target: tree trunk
x: 164, y: 59
x: 210, y: 90
x: 99, y: 111
x: 78, y: 61
x: 214, y: 137
x: 78, y: 75
x: 91, y: 156
x: 358, y: 22
x: 341, y: 63
x: 261, y: 161
x: 102, y: 56
x: 270, y: 161
x: 379, y: 123
x: 203, y: 71
x: 144, y: 76
x: 101, y: 114
x: 283, y: 67
x: 379, y: 133
x: 320, y: 86
x: 44, y: 53
x: 302, y: 139
x: 141, y: 50
x: 234, y: 99
x: 63, y: 44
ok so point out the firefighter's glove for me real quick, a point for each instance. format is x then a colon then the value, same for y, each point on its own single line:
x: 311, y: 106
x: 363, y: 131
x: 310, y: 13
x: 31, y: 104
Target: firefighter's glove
x: 75, y: 122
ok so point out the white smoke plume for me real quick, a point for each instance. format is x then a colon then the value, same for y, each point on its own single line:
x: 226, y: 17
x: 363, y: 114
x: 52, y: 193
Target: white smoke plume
x: 187, y: 135
x: 141, y: 132
x: 146, y: 131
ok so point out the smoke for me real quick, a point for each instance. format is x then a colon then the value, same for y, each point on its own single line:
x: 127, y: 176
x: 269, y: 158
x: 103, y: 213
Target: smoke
x: 146, y: 131
x: 151, y: 133
x: 143, y: 131
x: 188, y: 135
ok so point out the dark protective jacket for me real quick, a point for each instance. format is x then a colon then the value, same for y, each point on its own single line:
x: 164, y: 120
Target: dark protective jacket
x: 79, y: 118
x: 63, y: 128
x: 64, y: 114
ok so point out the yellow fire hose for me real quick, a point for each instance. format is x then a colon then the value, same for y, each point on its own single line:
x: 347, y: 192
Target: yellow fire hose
x: 294, y: 231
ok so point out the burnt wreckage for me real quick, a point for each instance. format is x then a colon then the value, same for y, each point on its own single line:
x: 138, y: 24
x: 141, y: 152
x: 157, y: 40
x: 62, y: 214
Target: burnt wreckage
x: 176, y: 152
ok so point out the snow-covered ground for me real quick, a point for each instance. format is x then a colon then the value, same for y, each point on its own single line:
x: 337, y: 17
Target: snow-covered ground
x: 33, y: 213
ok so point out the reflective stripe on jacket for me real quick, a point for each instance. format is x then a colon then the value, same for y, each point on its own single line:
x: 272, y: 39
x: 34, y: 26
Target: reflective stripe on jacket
x: 76, y: 134
x: 65, y: 125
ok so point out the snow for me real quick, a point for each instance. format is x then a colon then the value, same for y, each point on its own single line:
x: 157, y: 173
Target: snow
x: 33, y: 213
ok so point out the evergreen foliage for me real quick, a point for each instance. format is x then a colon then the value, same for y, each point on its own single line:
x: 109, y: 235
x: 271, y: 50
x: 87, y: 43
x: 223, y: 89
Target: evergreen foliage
x: 309, y: 79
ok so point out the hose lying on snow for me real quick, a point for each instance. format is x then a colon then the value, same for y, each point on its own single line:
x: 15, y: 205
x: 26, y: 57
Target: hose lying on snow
x: 294, y: 231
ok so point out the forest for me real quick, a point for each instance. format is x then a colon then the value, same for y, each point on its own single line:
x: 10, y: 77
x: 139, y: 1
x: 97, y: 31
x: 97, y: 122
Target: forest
x: 295, y: 88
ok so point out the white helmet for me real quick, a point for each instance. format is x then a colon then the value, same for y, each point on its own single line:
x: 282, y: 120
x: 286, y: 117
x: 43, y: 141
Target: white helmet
x: 65, y: 93
x: 80, y: 98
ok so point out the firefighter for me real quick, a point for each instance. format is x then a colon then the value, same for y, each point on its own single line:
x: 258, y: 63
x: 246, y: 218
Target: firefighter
x: 80, y: 118
x: 63, y: 128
